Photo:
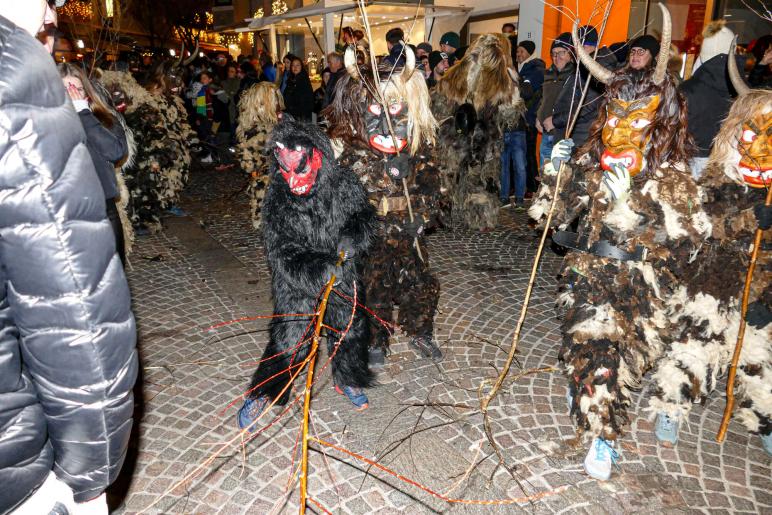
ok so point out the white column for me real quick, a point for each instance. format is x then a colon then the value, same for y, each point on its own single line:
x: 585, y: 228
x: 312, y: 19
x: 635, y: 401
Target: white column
x: 272, y: 42
x: 328, y: 32
x: 530, y: 24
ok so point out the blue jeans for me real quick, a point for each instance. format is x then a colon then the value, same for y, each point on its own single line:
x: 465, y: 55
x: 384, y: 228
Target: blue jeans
x: 514, y: 152
x: 545, y: 149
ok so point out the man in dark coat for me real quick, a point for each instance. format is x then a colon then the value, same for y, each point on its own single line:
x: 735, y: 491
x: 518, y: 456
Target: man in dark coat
x: 554, y: 77
x: 67, y: 336
x: 531, y: 71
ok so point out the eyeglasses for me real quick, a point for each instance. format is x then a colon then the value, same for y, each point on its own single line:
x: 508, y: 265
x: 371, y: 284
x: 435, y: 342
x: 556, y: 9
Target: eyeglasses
x: 559, y: 53
x: 637, y: 51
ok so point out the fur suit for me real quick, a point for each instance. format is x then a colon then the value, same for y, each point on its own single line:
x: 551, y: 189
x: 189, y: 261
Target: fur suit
x: 394, y: 272
x: 259, y: 110
x: 485, y: 79
x: 708, y: 306
x: 162, y: 160
x: 305, y: 228
x: 635, y: 238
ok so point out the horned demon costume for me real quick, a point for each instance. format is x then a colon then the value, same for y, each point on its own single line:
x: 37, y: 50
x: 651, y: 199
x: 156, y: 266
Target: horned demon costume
x: 314, y: 210
x: 707, y: 308
x: 397, y: 270
x: 161, y: 131
x: 483, y: 86
x: 640, y: 220
x: 259, y: 110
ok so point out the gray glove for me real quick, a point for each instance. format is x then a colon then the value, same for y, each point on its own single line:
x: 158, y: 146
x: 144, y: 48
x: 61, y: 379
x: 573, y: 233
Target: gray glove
x: 561, y: 152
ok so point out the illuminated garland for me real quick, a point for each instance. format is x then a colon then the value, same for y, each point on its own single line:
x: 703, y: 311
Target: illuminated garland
x: 279, y: 7
x: 259, y: 13
x: 76, y: 10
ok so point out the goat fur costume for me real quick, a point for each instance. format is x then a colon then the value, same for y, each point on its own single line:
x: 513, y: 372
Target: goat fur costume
x: 313, y: 209
x: 707, y: 308
x: 162, y: 161
x: 617, y: 324
x: 259, y: 111
x: 471, y: 161
x: 394, y: 273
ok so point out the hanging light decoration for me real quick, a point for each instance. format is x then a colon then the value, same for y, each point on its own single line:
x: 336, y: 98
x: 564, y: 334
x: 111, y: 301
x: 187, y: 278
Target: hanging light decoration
x: 279, y: 7
x: 76, y: 10
x: 259, y: 13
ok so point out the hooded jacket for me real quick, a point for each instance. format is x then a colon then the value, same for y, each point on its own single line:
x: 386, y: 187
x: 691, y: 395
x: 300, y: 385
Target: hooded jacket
x: 709, y: 96
x: 67, y: 336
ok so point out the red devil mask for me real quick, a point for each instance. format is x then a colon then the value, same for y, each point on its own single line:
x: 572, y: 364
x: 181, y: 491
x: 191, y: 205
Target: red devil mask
x: 299, y: 167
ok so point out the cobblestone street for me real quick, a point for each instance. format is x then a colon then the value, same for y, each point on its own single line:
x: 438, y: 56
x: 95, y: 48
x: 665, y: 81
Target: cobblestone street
x: 424, y: 420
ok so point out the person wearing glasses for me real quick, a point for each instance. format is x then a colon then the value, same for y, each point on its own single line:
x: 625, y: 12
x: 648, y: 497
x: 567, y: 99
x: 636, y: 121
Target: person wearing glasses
x: 643, y: 52
x: 561, y: 54
x: 68, y: 360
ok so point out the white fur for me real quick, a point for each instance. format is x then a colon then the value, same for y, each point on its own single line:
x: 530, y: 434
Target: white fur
x: 648, y: 273
x: 622, y: 218
x: 601, y: 324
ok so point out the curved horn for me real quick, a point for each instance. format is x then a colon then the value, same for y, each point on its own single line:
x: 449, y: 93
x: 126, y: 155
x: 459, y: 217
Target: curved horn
x: 182, y: 55
x: 734, y: 73
x: 407, y: 71
x: 596, y: 69
x: 193, y: 55
x: 664, y: 46
x: 350, y: 62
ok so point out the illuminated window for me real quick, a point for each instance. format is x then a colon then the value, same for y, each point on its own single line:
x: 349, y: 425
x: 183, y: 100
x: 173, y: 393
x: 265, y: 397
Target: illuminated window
x: 109, y: 8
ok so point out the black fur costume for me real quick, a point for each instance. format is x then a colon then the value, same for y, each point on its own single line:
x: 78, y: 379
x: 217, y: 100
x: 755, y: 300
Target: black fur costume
x: 394, y: 273
x: 304, y: 234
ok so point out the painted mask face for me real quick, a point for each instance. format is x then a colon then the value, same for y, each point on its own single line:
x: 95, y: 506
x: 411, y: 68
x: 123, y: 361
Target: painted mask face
x: 755, y: 153
x: 299, y: 167
x: 627, y: 132
x: 378, y: 134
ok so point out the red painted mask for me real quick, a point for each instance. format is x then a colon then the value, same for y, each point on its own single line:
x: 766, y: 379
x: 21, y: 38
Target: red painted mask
x: 754, y: 147
x: 626, y: 132
x: 299, y: 168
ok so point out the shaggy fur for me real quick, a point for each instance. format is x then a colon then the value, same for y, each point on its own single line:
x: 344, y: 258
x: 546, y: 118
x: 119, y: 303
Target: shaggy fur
x: 471, y: 170
x: 302, y: 237
x: 259, y: 110
x: 707, y: 310
x: 160, y: 167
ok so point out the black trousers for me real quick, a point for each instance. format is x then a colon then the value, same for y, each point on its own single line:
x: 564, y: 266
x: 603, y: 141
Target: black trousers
x: 531, y: 162
x: 115, y: 222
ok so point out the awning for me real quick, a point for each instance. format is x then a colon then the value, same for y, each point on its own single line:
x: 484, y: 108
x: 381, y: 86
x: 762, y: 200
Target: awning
x: 317, y: 9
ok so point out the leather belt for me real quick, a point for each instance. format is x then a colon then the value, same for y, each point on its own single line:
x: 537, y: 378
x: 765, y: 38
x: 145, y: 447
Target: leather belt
x: 601, y: 248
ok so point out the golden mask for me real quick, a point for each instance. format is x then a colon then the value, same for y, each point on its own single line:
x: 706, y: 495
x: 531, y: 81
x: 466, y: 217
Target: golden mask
x: 626, y: 132
x: 755, y: 158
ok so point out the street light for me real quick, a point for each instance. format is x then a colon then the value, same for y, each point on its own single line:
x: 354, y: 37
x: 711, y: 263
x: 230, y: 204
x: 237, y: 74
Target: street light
x: 80, y: 44
x: 172, y: 52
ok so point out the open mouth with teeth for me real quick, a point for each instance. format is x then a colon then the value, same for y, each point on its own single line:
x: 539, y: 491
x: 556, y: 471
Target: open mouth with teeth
x: 754, y: 176
x: 630, y: 158
x: 386, y: 144
x: 299, y: 167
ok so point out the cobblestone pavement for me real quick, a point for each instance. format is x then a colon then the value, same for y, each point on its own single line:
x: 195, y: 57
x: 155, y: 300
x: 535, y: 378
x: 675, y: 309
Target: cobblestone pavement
x: 208, y: 268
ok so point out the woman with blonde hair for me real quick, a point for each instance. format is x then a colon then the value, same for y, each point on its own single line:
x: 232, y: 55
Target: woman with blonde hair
x: 105, y: 140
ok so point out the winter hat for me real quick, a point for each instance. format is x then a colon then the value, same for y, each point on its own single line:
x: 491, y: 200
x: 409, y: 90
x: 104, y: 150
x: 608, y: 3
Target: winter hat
x: 435, y: 58
x: 619, y: 49
x: 451, y: 39
x: 647, y: 42
x: 563, y: 41
x: 426, y: 47
x: 528, y: 46
x: 588, y: 35
x: 717, y: 39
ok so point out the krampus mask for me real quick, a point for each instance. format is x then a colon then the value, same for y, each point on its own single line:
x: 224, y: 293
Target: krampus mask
x: 299, y: 156
x: 742, y: 146
x: 357, y: 115
x: 643, y: 117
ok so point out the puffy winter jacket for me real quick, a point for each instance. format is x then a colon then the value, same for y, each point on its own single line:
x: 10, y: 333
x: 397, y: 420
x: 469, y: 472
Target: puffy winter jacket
x: 67, y: 335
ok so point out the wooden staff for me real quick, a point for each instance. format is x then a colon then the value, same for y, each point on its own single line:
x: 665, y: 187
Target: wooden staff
x: 309, y: 383
x: 741, y: 332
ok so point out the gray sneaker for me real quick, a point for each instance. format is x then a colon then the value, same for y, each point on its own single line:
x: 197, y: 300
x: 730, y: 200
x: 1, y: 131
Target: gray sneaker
x: 426, y: 347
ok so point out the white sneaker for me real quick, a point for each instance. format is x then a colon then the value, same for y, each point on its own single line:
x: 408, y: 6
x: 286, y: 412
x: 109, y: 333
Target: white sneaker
x: 600, y: 458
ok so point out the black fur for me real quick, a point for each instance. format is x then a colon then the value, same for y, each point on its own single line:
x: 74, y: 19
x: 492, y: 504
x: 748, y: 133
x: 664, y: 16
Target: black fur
x: 303, y: 235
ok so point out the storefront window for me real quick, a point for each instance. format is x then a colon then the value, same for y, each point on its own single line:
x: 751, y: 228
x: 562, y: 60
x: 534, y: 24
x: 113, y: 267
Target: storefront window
x: 743, y: 21
x: 688, y: 18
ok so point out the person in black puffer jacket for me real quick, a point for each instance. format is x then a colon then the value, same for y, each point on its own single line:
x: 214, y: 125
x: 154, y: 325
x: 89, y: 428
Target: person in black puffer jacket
x: 67, y: 335
x: 299, y: 95
x: 105, y: 139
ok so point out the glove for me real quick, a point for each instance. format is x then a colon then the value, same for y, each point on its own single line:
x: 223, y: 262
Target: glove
x: 346, y: 246
x: 549, y: 170
x: 617, y: 181
x: 414, y: 229
x: 758, y: 315
x: 764, y: 216
x: 561, y: 152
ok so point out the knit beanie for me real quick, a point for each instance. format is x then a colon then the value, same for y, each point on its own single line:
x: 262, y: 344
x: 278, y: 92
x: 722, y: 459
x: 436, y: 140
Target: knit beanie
x: 563, y: 41
x: 435, y: 58
x: 528, y: 46
x: 451, y: 39
x: 588, y: 35
x: 426, y: 47
x: 717, y: 39
x: 647, y: 42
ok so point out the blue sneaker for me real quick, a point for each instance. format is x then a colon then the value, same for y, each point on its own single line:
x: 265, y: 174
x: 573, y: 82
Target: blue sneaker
x: 766, y: 442
x: 252, y: 409
x: 176, y: 211
x: 666, y: 429
x: 599, y: 459
x: 356, y: 395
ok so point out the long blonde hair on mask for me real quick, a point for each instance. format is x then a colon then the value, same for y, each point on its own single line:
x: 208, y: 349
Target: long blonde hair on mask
x: 98, y: 106
x: 259, y: 105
